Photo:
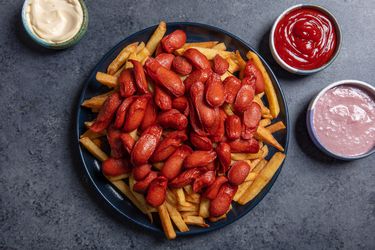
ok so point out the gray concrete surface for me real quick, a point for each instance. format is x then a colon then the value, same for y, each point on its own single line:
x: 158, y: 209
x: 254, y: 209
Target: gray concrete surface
x: 316, y: 203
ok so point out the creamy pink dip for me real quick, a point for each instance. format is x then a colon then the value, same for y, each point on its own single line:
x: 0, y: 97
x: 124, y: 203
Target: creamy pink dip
x: 344, y: 120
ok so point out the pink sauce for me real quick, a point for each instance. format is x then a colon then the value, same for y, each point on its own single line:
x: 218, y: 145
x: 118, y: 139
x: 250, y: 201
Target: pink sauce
x: 344, y: 120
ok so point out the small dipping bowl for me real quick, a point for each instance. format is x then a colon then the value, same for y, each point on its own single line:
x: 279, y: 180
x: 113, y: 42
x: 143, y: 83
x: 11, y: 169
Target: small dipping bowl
x: 295, y: 70
x: 311, y: 112
x: 49, y: 45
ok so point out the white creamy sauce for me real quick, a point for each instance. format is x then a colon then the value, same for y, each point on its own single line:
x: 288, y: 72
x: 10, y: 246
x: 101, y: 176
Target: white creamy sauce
x: 55, y: 21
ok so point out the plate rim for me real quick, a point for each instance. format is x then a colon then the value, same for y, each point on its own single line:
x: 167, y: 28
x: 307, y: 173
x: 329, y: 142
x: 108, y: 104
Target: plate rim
x: 88, y: 179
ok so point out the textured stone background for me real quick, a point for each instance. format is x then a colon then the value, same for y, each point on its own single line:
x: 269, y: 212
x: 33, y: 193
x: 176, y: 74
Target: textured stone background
x: 316, y: 203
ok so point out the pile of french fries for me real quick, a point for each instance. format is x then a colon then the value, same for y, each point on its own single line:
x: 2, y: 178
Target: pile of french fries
x: 183, y: 207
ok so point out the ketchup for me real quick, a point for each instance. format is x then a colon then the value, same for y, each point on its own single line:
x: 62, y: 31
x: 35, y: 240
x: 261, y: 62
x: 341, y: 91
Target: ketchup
x: 305, y: 38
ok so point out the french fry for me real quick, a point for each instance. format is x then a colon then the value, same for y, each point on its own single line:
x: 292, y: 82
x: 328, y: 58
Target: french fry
x: 106, y: 79
x: 192, y: 213
x: 276, y: 127
x: 180, y: 195
x: 260, y: 166
x: 233, y: 66
x: 92, y: 135
x: 171, y: 198
x: 117, y: 178
x: 220, y: 46
x: 176, y: 218
x: 195, y: 220
x: 204, y: 207
x: 265, y: 122
x: 93, y: 149
x: 118, y: 72
x: 265, y: 151
x: 88, y: 124
x: 132, y: 56
x: 225, y: 75
x: 141, y: 199
x: 244, y: 186
x: 96, y: 101
x: 263, y: 108
x: 121, y: 58
x: 193, y: 198
x: 268, y: 86
x: 254, y: 163
x: 208, y: 44
x: 228, y: 109
x: 188, y: 207
x: 156, y: 37
x: 266, y: 136
x: 124, y: 189
x: 188, y: 189
x: 97, y: 142
x: 140, y: 47
x: 263, y: 178
x: 166, y: 222
x: 215, y: 219
x: 209, y: 53
x: 144, y: 53
x: 240, y: 61
x: 134, y: 134
x: 251, y: 177
x: 246, y: 156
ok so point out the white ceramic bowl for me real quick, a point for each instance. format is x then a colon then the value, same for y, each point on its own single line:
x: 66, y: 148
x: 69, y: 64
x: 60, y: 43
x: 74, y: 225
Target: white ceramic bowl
x: 310, y: 118
x: 286, y: 66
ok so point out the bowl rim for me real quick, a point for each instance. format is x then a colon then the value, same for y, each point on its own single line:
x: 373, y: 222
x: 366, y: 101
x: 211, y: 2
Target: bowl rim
x: 68, y: 43
x: 294, y: 70
x: 94, y: 186
x: 310, y: 118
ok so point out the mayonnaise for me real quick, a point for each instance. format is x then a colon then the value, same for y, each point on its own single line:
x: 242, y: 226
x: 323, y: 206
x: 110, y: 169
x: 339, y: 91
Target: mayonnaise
x: 55, y: 21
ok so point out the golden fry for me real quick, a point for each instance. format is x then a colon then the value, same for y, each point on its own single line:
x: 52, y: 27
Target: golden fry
x: 121, y: 58
x: 265, y: 151
x: 244, y: 186
x: 263, y: 108
x: 93, y: 149
x: 176, y: 218
x: 220, y: 46
x: 134, y: 134
x: 88, y: 124
x: 140, y: 47
x: 96, y: 101
x: 195, y: 220
x: 228, y: 109
x: 204, y: 208
x: 133, y: 56
x: 92, y: 135
x: 124, y: 188
x: 246, y: 156
x: 266, y: 136
x: 268, y: 86
x: 209, y: 53
x: 209, y: 44
x: 265, y: 122
x: 225, y: 75
x: 156, y: 37
x: 180, y: 195
x: 188, y: 189
x: 166, y: 222
x: 263, y: 178
x: 106, y: 79
x: 97, y: 142
x: 215, y: 219
x: 233, y: 66
x: 193, y: 198
x: 117, y: 178
x: 276, y: 127
x: 188, y: 207
x: 192, y: 213
x: 141, y: 199
x: 171, y: 198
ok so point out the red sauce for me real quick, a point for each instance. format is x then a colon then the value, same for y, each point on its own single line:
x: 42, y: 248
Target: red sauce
x: 305, y: 38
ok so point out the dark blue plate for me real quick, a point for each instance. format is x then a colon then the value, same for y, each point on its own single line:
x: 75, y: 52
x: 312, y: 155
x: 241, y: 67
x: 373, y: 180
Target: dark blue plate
x: 121, y: 206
